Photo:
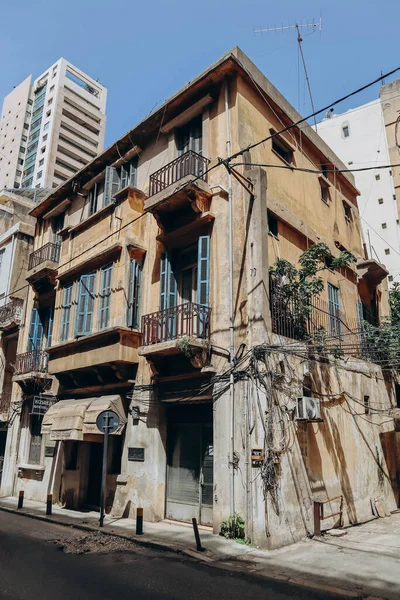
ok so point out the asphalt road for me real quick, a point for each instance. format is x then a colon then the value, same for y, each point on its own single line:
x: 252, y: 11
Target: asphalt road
x: 33, y: 567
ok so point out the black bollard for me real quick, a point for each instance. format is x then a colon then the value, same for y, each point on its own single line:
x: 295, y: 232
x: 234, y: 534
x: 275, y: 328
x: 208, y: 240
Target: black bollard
x: 139, y: 521
x: 21, y: 499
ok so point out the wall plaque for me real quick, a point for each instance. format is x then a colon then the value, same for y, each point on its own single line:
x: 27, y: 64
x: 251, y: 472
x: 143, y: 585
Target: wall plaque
x: 49, y: 451
x: 136, y: 454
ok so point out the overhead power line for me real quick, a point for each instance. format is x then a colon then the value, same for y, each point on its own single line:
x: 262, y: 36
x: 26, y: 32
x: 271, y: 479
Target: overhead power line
x: 225, y: 161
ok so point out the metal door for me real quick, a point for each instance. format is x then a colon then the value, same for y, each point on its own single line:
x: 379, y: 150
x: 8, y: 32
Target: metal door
x: 190, y: 472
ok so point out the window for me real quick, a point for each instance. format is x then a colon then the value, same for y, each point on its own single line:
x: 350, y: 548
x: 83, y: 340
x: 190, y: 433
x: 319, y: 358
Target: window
x: 43, y: 150
x: 66, y: 312
x: 30, y: 101
x: 52, y: 88
x: 26, y: 125
x: 334, y: 310
x: 18, y: 173
x: 273, y: 228
x: 48, y: 113
x: 377, y: 177
x: 85, y: 304
x: 44, y: 138
x: 325, y: 195
x: 367, y: 408
x: 20, y: 161
x: 384, y: 225
x: 346, y: 131
x: 324, y: 170
x: 38, y: 176
x: 41, y: 162
x: 282, y: 149
x: 94, y: 196
x: 22, y: 149
x: 23, y: 138
x: 50, y: 100
x: 105, y: 297
x: 387, y: 251
x: 134, y: 294
x: 35, y: 444
x: 347, y: 212
x: 380, y: 200
x: 46, y: 126
x: 190, y: 136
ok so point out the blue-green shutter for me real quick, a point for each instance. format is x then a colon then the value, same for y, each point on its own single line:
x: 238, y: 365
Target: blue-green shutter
x: 105, y: 297
x: 66, y: 312
x: 35, y: 335
x: 134, y: 294
x: 50, y: 327
x: 168, y: 295
x: 85, y: 305
x: 203, y: 270
x: 111, y: 185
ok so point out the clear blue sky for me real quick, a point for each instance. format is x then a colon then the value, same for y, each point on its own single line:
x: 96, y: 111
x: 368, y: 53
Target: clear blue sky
x: 143, y: 51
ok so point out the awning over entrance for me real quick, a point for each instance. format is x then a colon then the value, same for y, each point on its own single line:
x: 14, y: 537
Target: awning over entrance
x: 73, y: 419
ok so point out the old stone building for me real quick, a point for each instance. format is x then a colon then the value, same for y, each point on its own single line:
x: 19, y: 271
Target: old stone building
x: 132, y: 284
x: 16, y: 242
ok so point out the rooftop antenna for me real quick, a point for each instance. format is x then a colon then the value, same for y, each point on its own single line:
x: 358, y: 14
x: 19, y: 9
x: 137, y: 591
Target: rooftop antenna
x: 314, y: 26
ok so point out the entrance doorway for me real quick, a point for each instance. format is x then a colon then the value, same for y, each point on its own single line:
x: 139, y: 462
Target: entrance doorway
x: 190, y: 463
x: 94, y: 478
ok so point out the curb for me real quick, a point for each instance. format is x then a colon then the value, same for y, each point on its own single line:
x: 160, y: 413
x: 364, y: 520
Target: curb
x: 217, y: 563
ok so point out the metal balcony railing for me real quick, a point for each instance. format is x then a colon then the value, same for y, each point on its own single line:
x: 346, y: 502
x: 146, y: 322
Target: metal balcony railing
x: 49, y: 251
x: 184, y: 320
x: 189, y: 163
x: 29, y: 362
x: 11, y: 312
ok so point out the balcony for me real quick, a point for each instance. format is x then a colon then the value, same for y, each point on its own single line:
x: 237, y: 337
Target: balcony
x: 162, y: 329
x: 188, y: 171
x: 33, y: 362
x: 10, y: 313
x: 43, y: 262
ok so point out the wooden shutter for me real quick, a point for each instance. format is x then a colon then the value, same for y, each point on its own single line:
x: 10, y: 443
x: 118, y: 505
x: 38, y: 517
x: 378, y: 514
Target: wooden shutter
x: 133, y: 171
x: 35, y: 335
x: 35, y: 445
x: 50, y: 327
x: 105, y: 297
x: 90, y: 302
x: 66, y: 312
x: 134, y: 294
x: 93, y: 200
x: 84, y: 312
x: 111, y: 185
x: 203, y: 270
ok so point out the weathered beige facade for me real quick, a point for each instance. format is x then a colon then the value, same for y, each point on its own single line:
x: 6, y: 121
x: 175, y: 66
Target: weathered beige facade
x: 129, y: 298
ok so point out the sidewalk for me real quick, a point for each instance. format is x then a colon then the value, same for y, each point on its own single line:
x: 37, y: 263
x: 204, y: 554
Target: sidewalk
x: 362, y: 563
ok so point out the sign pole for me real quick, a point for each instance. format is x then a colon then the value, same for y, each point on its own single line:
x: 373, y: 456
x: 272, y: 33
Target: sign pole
x: 104, y: 471
x: 107, y: 422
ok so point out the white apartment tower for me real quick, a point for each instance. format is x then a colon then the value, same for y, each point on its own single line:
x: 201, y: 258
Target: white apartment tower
x: 359, y: 138
x: 52, y: 128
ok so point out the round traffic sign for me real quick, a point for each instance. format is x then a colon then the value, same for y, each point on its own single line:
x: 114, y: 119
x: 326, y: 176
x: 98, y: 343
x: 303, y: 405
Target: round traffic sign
x: 107, y: 420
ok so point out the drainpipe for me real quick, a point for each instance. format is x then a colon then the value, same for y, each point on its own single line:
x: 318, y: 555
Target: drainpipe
x: 231, y: 310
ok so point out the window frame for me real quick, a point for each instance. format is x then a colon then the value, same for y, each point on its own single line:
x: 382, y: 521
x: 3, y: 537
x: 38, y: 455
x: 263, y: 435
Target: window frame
x: 66, y: 308
x: 282, y: 149
x: 87, y: 295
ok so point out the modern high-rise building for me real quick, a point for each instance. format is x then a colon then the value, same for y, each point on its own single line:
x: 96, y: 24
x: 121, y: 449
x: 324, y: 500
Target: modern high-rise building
x: 363, y: 138
x: 52, y: 128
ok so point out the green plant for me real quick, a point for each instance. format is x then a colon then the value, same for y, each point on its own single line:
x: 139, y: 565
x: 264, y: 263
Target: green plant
x: 232, y: 528
x: 183, y: 345
x: 295, y: 288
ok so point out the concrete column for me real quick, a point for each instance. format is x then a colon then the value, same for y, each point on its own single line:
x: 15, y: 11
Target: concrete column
x: 145, y: 480
x: 259, y: 315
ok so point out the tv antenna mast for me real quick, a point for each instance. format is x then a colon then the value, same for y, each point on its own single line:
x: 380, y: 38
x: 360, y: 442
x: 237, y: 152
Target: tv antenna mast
x: 314, y: 26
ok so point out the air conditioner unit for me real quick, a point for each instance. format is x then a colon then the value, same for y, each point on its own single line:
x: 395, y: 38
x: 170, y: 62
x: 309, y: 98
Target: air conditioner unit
x: 308, y: 409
